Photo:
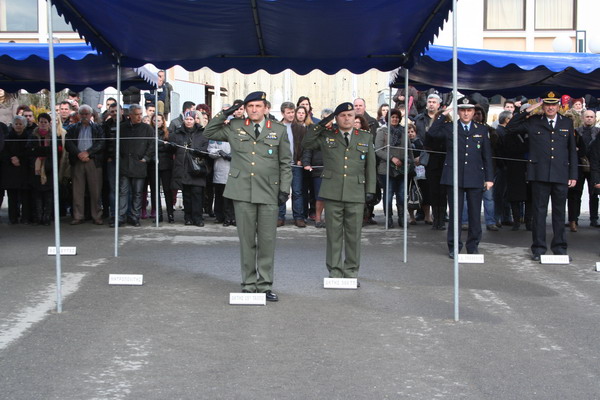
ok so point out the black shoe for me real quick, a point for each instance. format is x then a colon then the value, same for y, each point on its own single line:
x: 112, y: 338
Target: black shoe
x: 535, y: 257
x: 357, y: 284
x: 225, y: 223
x: 199, y: 223
x: 451, y: 254
x: 594, y: 223
x: 271, y: 296
x: 188, y: 222
x: 170, y: 218
x: 232, y: 222
x: 390, y: 223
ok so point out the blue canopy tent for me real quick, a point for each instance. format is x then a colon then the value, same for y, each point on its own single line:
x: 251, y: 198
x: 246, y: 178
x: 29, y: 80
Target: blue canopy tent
x: 273, y: 35
x: 509, y: 73
x: 25, y: 66
x: 249, y: 35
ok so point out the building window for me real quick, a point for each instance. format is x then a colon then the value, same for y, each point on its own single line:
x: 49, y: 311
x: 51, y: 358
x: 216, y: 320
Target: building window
x: 58, y: 23
x: 18, y: 15
x: 555, y: 14
x: 504, y: 15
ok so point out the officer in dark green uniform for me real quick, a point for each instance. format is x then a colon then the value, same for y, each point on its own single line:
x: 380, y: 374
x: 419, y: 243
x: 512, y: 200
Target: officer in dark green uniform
x: 348, y: 179
x: 260, y: 168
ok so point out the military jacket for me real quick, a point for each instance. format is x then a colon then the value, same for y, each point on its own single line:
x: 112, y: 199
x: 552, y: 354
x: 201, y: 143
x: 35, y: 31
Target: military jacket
x: 260, y: 166
x: 474, y: 153
x: 552, y: 151
x: 349, y: 172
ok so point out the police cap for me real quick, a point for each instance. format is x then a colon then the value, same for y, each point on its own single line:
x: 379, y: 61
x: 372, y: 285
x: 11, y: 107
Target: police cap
x: 551, y: 97
x: 465, y: 102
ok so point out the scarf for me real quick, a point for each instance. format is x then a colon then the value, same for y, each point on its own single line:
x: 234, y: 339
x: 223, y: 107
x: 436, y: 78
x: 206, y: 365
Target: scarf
x: 396, y: 135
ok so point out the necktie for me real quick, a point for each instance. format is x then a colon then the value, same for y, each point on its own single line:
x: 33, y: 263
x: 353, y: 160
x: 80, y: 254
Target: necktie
x: 346, y: 134
x: 551, y: 124
x: 466, y: 128
x: 257, y: 129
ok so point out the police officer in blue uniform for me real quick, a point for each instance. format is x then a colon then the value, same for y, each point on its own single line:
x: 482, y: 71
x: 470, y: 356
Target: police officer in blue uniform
x: 551, y: 168
x: 475, y: 170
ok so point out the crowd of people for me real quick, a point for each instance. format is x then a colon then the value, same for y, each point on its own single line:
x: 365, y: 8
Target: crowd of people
x: 199, y: 168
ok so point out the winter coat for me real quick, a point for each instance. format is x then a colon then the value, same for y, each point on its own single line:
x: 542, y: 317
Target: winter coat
x: 135, y: 154
x: 189, y: 142
x: 16, y: 177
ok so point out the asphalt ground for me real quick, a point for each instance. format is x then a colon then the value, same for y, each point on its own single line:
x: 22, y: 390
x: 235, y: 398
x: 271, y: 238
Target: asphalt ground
x: 526, y: 330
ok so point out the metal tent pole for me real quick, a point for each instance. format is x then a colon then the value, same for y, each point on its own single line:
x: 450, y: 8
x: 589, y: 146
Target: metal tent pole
x: 455, y: 158
x: 156, y: 188
x: 117, y: 156
x: 404, y: 200
x: 54, y: 159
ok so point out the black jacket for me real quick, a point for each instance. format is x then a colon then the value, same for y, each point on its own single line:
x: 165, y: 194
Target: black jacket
x: 16, y: 177
x: 96, y: 152
x: 135, y: 153
x: 552, y: 152
x: 196, y: 142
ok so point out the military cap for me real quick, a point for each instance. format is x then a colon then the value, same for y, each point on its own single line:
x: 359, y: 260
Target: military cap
x: 255, y: 96
x: 550, y: 97
x: 343, y: 107
x: 465, y: 102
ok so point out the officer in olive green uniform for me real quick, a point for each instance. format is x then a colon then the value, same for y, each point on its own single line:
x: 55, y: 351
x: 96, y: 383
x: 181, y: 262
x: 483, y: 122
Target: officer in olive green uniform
x: 348, y: 179
x: 260, y: 167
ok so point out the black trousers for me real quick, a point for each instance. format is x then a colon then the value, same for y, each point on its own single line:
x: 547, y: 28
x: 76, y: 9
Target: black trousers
x: 541, y: 192
x: 164, y: 181
x: 223, y: 206
x: 574, y: 198
x: 44, y: 203
x: 438, y: 198
x: 193, y: 197
x: 474, y: 196
x: 19, y: 205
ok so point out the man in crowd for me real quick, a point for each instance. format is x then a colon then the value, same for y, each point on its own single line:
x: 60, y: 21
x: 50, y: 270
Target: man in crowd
x: 260, y: 173
x: 475, y: 171
x: 552, y: 168
x: 585, y: 135
x: 109, y: 126
x: 178, y: 122
x: 85, y: 144
x: 136, y: 150
x: 65, y: 111
x: 31, y: 125
x: 349, y: 178
x: 288, y: 112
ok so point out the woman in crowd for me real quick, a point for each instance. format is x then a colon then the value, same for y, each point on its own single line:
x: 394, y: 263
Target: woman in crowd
x: 220, y: 152
x: 40, y: 147
x: 15, y: 172
x: 421, y: 158
x: 202, y: 119
x: 382, y: 112
x: 191, y: 143
x: 302, y: 117
x: 395, y: 174
x: 165, y: 169
x: 8, y: 107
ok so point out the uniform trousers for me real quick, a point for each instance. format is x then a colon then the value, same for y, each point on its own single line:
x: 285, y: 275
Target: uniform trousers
x: 257, y: 231
x: 541, y: 192
x: 473, y: 197
x: 82, y: 172
x: 343, y: 221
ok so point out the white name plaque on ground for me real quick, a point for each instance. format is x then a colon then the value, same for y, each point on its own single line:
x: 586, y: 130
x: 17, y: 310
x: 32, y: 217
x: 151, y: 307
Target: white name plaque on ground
x: 247, y: 299
x: 598, y: 266
x: 340, y: 283
x: 554, y: 259
x: 125, y: 279
x: 64, y: 251
x: 470, y: 258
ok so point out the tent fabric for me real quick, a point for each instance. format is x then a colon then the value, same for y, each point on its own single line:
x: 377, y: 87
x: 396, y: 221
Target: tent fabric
x: 77, y: 66
x: 508, y: 73
x: 249, y: 35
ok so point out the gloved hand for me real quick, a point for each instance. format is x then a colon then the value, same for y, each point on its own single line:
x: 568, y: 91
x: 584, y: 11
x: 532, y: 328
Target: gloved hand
x: 327, y: 120
x: 225, y: 156
x: 232, y: 109
x: 283, y: 198
x: 369, y: 198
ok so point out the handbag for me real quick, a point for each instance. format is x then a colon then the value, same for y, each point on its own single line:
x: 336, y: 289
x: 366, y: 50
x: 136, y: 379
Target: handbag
x: 415, y: 198
x: 196, y: 165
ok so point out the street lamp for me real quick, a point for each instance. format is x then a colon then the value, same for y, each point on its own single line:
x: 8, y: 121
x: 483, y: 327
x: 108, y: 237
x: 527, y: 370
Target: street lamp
x: 562, y: 44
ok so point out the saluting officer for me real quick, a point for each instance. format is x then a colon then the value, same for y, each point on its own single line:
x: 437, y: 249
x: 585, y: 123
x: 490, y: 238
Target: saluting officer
x: 475, y: 170
x: 260, y: 168
x: 348, y: 179
x: 552, y: 169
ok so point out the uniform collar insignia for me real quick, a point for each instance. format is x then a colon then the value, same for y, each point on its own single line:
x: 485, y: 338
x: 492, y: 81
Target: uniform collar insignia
x: 247, y: 122
x: 268, y: 124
